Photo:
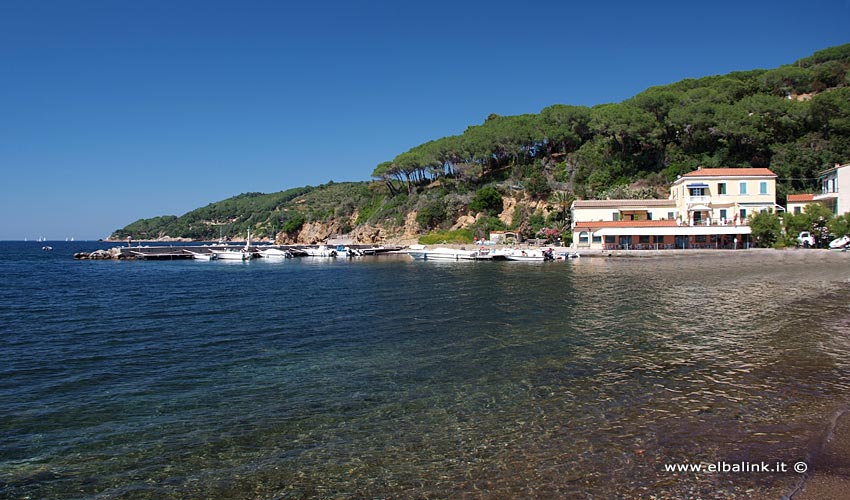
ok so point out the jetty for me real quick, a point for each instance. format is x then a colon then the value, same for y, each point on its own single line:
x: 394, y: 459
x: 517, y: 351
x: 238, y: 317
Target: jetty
x: 178, y: 252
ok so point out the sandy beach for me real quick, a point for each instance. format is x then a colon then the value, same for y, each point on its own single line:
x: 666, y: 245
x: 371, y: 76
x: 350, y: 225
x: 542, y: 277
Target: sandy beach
x: 829, y: 467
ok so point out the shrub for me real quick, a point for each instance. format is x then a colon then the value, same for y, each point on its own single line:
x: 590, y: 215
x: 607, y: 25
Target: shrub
x: 766, y: 228
x: 538, y: 187
x: 484, y: 225
x: 460, y: 236
x: 487, y: 200
x: 432, y: 214
x: 293, y: 224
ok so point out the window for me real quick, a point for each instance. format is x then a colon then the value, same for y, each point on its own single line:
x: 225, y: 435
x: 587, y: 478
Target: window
x: 597, y: 238
x: 625, y: 241
x: 696, y: 191
x: 743, y: 214
x: 649, y: 216
x: 615, y: 216
x: 762, y: 187
x: 700, y: 238
x: 609, y: 239
x: 671, y: 215
x: 582, y: 237
x: 722, y: 213
x: 658, y: 238
x: 644, y: 238
x: 798, y: 210
x: 721, y: 188
x: 743, y: 187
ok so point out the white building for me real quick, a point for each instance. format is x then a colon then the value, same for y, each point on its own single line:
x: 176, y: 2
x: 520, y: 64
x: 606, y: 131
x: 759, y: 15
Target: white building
x: 835, y: 189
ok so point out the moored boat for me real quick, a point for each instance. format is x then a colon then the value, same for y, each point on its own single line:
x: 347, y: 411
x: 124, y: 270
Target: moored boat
x: 840, y: 243
x: 274, y: 253
x: 231, y: 254
x: 530, y: 255
x: 202, y: 255
x: 440, y: 253
x: 567, y: 256
x: 234, y: 254
x: 321, y: 251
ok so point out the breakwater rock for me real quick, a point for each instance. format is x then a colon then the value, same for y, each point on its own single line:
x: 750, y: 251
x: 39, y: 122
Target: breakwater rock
x: 113, y: 253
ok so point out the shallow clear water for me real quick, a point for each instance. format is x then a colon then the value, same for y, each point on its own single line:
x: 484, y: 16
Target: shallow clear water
x: 384, y: 377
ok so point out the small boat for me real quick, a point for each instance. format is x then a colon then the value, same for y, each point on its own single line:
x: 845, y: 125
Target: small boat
x: 275, y: 253
x: 419, y: 252
x: 203, y: 255
x: 321, y: 251
x: 47, y: 248
x: 840, y: 243
x: 529, y: 255
x: 231, y: 254
x: 234, y: 254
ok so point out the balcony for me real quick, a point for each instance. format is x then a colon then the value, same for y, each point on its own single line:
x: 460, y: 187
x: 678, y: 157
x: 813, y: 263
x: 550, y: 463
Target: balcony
x: 698, y: 200
x: 826, y: 195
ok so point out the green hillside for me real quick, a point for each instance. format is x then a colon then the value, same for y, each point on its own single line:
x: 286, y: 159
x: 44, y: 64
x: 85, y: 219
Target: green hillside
x: 794, y: 119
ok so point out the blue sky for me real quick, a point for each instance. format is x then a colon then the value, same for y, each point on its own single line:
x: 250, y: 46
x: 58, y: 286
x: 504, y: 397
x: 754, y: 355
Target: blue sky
x: 114, y: 111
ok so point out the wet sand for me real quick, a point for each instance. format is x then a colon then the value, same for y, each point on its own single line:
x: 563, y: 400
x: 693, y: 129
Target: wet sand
x: 829, y: 467
x: 828, y: 474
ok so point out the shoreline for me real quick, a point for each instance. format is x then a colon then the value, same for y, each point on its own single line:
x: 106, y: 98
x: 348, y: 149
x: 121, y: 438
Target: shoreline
x: 828, y: 475
x: 637, y: 254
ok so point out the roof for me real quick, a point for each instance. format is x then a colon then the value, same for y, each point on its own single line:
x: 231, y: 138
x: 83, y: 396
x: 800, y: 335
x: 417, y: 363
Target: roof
x: 673, y: 231
x: 731, y: 172
x: 800, y: 198
x: 835, y: 168
x: 626, y: 223
x: 623, y: 203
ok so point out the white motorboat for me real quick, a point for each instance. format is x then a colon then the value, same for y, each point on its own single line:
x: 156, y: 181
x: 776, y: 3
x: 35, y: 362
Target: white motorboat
x: 202, y: 255
x: 274, y: 253
x: 522, y: 255
x: 231, y: 254
x: 529, y: 255
x: 321, y: 251
x: 419, y: 252
x: 234, y: 254
x: 840, y: 243
x: 567, y: 256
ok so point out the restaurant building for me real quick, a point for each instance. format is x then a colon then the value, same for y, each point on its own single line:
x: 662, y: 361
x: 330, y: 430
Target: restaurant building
x: 707, y: 208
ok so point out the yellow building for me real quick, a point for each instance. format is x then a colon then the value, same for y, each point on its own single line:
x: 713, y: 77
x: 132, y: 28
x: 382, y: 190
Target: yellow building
x: 707, y: 208
x: 712, y: 196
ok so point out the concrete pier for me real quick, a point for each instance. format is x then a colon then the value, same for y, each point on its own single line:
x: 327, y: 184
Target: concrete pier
x: 176, y: 252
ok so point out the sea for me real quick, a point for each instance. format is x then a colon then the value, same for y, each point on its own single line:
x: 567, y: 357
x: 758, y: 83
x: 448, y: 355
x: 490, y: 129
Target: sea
x: 384, y: 377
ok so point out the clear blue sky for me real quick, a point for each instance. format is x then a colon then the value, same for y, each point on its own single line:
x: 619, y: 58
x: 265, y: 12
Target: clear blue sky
x: 114, y: 111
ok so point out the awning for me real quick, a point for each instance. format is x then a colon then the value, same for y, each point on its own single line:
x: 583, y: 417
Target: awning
x: 673, y: 231
x: 699, y: 208
x: 698, y: 185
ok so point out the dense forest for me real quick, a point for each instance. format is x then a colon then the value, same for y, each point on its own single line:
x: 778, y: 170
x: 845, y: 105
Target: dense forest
x: 794, y: 120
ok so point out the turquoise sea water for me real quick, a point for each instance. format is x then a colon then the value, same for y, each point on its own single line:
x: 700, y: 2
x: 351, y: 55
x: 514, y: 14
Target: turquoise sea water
x: 386, y: 378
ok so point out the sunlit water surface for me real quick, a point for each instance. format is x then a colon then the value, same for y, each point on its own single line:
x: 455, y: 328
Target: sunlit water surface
x: 385, y: 378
